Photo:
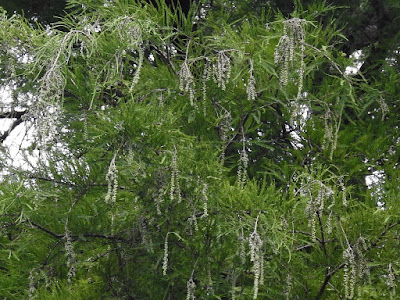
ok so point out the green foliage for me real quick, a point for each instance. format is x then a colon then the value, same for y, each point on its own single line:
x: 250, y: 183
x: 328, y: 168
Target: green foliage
x: 196, y: 155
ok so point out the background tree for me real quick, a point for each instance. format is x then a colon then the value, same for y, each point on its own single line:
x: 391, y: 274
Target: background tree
x: 42, y: 11
x: 198, y: 154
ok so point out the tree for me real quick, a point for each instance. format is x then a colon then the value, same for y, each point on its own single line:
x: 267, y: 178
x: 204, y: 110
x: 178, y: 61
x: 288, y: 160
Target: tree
x: 43, y: 11
x: 196, y: 155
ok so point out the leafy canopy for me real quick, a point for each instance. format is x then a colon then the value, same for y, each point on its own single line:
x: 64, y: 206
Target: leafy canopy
x: 195, y: 155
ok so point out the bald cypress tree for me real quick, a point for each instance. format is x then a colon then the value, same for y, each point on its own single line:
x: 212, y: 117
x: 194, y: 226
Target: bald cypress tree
x: 197, y: 154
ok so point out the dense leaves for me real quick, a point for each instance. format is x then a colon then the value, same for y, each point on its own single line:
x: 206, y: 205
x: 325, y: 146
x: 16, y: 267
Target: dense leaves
x: 196, y: 154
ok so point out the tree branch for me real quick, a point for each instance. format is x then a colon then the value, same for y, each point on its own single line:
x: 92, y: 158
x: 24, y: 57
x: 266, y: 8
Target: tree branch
x: 58, y: 236
x: 164, y: 58
x: 336, y: 290
x: 324, y: 284
x: 12, y: 114
x: 322, y: 235
x: 383, y: 233
x: 13, y: 126
x: 306, y: 233
x: 76, y: 237
x: 71, y: 184
x: 328, y: 275
x: 52, y: 180
x: 300, y: 248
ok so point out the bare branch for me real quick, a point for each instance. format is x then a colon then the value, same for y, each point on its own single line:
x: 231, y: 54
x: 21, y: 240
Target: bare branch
x: 7, y: 133
x: 76, y: 237
x: 12, y: 114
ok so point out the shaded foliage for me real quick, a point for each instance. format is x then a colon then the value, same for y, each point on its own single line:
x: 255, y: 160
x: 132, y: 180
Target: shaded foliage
x: 219, y: 152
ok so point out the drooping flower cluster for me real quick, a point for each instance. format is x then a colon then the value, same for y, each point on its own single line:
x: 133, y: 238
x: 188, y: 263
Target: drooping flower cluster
x: 293, y: 37
x: 193, y: 222
x: 242, y: 247
x: 289, y: 286
x: 112, y: 182
x: 206, y: 77
x: 85, y: 128
x: 355, y: 267
x: 391, y: 282
x: 71, y: 255
x: 32, y: 285
x: 175, y: 186
x: 129, y: 30
x: 47, y: 108
x: 328, y: 132
x: 186, y: 81
x: 349, y: 272
x: 331, y: 132
x: 316, y: 205
x: 139, y: 66
x: 159, y: 193
x: 46, y: 117
x: 205, y: 200
x: 329, y: 228
x: 256, y: 257
x: 222, y: 69
x: 191, y: 287
x: 165, y: 257
x: 224, y: 127
x: 384, y: 107
x: 343, y: 188
x: 243, y: 165
x: 233, y: 278
x: 251, y: 84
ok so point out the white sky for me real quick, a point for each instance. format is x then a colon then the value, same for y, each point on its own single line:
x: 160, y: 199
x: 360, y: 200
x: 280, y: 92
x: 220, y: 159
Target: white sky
x: 19, y: 138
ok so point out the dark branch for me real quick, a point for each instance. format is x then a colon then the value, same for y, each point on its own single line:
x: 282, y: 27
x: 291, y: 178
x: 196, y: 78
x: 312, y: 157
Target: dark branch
x: 71, y: 184
x: 324, y: 284
x: 52, y: 180
x: 12, y: 114
x: 13, y: 125
x: 75, y: 237
x: 164, y: 58
x: 306, y: 233
x: 328, y: 275
x: 46, y: 261
x: 336, y: 290
x: 305, y: 247
x: 58, y: 236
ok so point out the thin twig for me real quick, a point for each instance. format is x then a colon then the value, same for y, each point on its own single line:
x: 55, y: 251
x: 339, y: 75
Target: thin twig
x: 76, y: 237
